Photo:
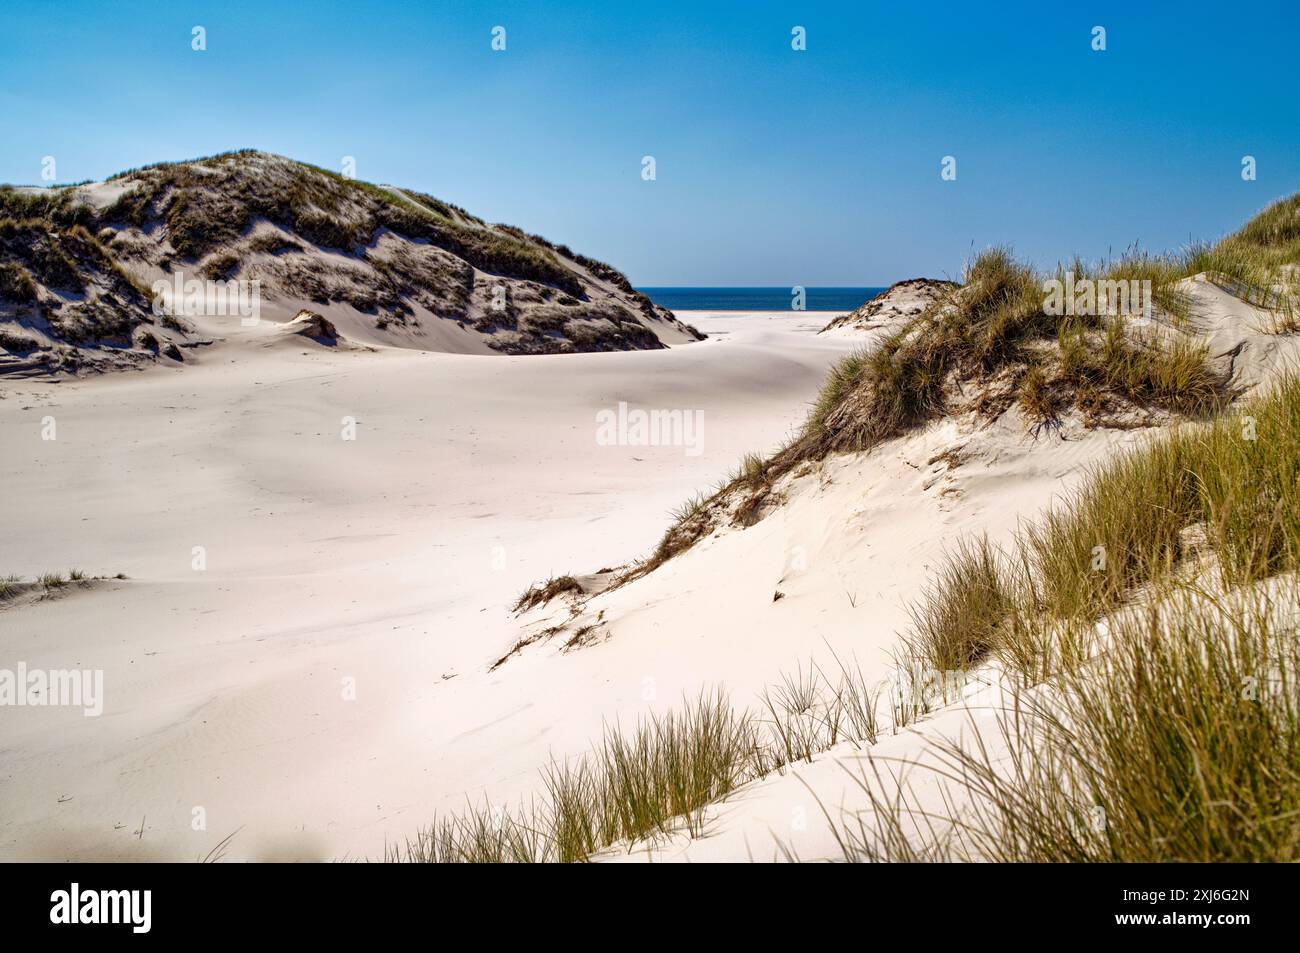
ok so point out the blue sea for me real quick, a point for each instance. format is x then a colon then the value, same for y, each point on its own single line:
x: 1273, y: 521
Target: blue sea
x: 759, y: 299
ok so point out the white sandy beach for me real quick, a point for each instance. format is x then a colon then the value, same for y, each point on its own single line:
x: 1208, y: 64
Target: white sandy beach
x: 390, y: 560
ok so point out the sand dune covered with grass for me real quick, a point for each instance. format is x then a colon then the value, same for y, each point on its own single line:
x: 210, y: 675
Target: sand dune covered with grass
x: 973, y: 520
x: 167, y: 262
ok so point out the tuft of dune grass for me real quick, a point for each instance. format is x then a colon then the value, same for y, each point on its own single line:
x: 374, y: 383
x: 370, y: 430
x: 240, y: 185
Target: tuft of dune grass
x: 957, y: 620
x: 657, y: 778
x: 1179, y: 743
x: 12, y: 585
x: 997, y: 323
x: 542, y: 593
x: 1259, y: 263
x: 631, y: 785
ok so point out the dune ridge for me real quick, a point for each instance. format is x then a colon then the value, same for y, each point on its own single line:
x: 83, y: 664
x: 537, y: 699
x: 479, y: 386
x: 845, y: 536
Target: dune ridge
x: 391, y: 267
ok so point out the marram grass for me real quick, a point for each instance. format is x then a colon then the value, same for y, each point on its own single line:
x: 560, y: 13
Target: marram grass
x: 657, y: 778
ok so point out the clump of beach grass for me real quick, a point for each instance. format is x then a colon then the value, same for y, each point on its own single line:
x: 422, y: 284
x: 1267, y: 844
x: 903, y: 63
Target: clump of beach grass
x: 998, y: 324
x: 957, y: 619
x: 1260, y: 263
x: 657, y: 778
x: 1178, y: 743
x: 660, y: 774
x: 14, y: 585
x: 693, y: 519
x: 10, y: 586
x: 542, y: 593
x: 811, y: 711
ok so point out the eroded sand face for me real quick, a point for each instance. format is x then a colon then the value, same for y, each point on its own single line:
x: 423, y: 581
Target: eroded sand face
x: 322, y: 686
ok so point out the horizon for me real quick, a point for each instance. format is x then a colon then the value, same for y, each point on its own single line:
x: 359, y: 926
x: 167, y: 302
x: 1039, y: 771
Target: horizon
x: 813, y: 167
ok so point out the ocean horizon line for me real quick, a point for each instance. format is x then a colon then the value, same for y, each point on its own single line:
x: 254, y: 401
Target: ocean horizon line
x: 760, y: 297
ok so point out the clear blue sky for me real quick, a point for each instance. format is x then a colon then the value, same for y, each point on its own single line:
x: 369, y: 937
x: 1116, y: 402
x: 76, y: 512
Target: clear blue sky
x: 775, y: 167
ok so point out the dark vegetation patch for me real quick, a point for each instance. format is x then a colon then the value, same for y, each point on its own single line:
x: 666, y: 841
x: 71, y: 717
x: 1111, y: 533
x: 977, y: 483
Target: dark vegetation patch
x: 212, y: 203
x: 542, y: 593
x: 89, y: 300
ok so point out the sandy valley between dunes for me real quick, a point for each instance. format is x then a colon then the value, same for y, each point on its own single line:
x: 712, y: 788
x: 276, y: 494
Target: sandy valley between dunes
x: 324, y: 687
x: 386, y: 563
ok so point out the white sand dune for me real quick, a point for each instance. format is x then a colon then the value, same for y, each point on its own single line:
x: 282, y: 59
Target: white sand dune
x: 870, y: 531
